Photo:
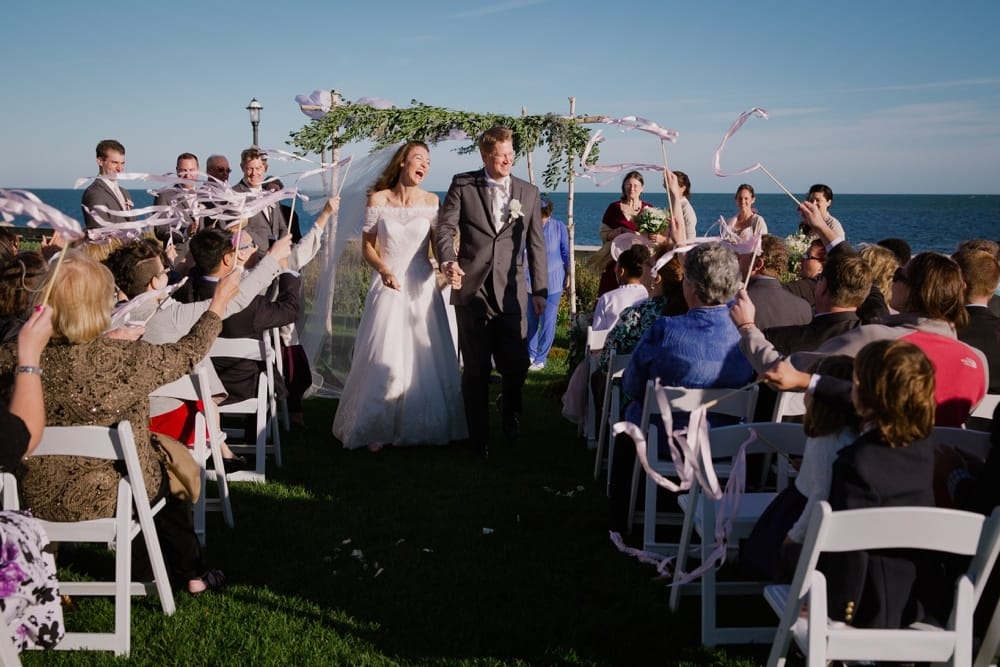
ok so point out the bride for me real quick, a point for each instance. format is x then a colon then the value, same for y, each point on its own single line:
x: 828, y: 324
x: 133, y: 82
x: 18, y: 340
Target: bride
x: 403, y: 387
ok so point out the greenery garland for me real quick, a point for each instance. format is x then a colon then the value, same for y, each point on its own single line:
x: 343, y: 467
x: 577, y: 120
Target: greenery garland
x: 564, y: 137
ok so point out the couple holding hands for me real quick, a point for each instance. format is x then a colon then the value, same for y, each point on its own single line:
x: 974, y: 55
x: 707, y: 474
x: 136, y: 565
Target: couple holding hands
x: 403, y: 385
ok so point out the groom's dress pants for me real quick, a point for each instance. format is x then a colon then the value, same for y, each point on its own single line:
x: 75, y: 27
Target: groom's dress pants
x: 485, y: 340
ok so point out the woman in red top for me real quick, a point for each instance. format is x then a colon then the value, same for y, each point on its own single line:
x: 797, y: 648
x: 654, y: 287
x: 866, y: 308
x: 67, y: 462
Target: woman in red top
x: 619, y: 218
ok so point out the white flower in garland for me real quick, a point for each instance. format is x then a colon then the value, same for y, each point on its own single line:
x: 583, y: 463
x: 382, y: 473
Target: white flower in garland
x: 515, y: 209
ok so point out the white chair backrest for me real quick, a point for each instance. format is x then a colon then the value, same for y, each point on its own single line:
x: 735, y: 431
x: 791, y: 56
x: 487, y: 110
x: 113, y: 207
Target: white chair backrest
x: 241, y: 348
x: 738, y: 403
x: 926, y: 528
x: 789, y: 404
x: 596, y: 338
x: 986, y: 406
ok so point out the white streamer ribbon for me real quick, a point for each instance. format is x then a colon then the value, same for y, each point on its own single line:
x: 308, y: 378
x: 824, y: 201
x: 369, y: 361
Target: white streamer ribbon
x: 16, y: 203
x: 756, y: 111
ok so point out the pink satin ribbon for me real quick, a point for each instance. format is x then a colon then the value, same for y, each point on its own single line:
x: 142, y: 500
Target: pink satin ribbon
x: 732, y: 130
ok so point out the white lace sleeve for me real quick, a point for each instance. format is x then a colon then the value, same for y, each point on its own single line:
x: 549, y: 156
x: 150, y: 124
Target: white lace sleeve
x: 371, y: 219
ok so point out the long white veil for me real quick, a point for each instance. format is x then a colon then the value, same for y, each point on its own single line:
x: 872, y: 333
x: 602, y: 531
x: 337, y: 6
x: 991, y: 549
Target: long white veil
x: 337, y: 281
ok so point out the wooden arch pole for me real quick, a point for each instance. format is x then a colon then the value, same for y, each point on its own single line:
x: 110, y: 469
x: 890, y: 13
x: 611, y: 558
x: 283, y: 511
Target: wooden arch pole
x: 571, y: 225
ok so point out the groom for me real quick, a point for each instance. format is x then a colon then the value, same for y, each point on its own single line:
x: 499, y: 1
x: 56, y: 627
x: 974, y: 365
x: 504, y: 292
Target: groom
x: 495, y: 216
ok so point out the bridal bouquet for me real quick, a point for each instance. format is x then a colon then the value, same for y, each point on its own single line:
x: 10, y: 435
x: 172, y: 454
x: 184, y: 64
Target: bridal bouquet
x: 652, y: 220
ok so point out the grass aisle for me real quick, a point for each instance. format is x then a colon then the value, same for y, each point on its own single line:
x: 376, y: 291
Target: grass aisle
x: 423, y: 556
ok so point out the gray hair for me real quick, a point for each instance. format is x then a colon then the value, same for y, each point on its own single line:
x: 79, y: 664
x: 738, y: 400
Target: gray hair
x: 714, y: 273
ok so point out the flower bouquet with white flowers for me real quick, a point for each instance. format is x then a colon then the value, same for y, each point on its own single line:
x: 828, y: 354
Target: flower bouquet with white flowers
x: 798, y: 246
x: 652, y: 220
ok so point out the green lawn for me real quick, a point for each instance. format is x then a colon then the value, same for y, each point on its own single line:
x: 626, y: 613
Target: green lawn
x: 424, y: 556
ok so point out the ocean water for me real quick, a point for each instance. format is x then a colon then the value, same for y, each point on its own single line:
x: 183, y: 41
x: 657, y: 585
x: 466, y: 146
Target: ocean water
x: 928, y: 222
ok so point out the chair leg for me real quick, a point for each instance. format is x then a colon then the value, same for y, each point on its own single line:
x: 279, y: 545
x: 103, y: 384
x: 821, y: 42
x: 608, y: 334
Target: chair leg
x: 634, y: 494
x: 687, y: 529
x: 123, y: 581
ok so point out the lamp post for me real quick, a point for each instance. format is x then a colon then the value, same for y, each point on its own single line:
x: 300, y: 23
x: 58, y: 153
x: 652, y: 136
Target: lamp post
x: 254, y: 108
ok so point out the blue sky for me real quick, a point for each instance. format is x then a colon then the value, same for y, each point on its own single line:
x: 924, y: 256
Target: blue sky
x: 869, y: 97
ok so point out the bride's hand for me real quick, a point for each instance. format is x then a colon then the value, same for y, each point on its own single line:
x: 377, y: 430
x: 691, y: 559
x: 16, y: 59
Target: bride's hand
x: 389, y: 280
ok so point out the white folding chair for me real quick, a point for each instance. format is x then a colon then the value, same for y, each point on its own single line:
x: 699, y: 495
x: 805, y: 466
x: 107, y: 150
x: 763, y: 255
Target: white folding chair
x: 610, y: 407
x: 118, y: 444
x: 208, y: 437
x: 928, y: 528
x: 731, y: 402
x: 700, y: 511
x: 263, y: 406
x: 789, y: 404
x: 595, y: 343
x: 982, y: 414
x: 273, y: 338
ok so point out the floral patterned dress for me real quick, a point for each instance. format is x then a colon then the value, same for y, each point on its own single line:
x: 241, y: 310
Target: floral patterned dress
x: 29, y: 592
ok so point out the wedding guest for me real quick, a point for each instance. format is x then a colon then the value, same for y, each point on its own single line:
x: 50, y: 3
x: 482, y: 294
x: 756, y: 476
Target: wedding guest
x: 682, y: 202
x: 776, y: 306
x: 187, y: 168
x: 981, y: 272
x: 663, y: 276
x: 883, y: 264
x: 29, y: 598
x: 899, y: 247
x: 19, y: 280
x: 774, y: 545
x: 810, y: 266
x: 403, y: 387
x: 542, y: 328
x: 9, y: 242
x: 619, y: 218
x: 92, y: 379
x: 217, y: 167
x: 840, y: 289
x: 216, y: 255
x: 992, y: 247
x: 891, y: 464
x: 139, y: 272
x: 929, y: 293
x: 105, y: 191
x: 747, y: 223
x: 270, y: 224
x: 488, y: 289
x: 697, y: 349
x: 822, y: 197
x: 629, y: 270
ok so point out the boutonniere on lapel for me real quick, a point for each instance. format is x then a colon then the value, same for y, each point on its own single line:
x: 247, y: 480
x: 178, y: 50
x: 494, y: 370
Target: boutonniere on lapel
x: 515, y: 210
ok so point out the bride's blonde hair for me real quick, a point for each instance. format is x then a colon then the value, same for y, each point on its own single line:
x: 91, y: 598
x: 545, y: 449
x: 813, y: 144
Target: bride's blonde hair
x: 390, y: 175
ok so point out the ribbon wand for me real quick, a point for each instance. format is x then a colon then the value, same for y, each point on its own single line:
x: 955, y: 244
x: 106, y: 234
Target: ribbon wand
x: 778, y: 183
x: 670, y: 200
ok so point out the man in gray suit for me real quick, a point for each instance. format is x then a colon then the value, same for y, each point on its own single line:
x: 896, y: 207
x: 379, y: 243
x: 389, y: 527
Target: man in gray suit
x: 494, y: 217
x: 270, y: 224
x: 105, y: 190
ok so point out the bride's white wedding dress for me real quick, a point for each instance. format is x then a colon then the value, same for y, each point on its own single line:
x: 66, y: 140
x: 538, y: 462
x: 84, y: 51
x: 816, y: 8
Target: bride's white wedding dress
x: 403, y: 387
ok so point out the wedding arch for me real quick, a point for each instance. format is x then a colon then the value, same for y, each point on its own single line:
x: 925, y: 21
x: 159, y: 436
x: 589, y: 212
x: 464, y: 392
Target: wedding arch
x: 327, y: 330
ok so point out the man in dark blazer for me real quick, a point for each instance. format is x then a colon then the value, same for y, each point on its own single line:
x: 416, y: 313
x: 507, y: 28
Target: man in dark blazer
x: 775, y: 305
x: 840, y: 289
x: 269, y: 224
x: 981, y: 272
x: 214, y: 257
x: 493, y: 216
x: 105, y: 191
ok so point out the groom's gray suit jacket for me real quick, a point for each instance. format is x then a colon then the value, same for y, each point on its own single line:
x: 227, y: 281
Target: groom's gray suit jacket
x: 487, y: 254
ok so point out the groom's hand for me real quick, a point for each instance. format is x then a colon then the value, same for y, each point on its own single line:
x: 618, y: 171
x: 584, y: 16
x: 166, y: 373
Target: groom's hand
x: 453, y: 273
x: 539, y: 303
